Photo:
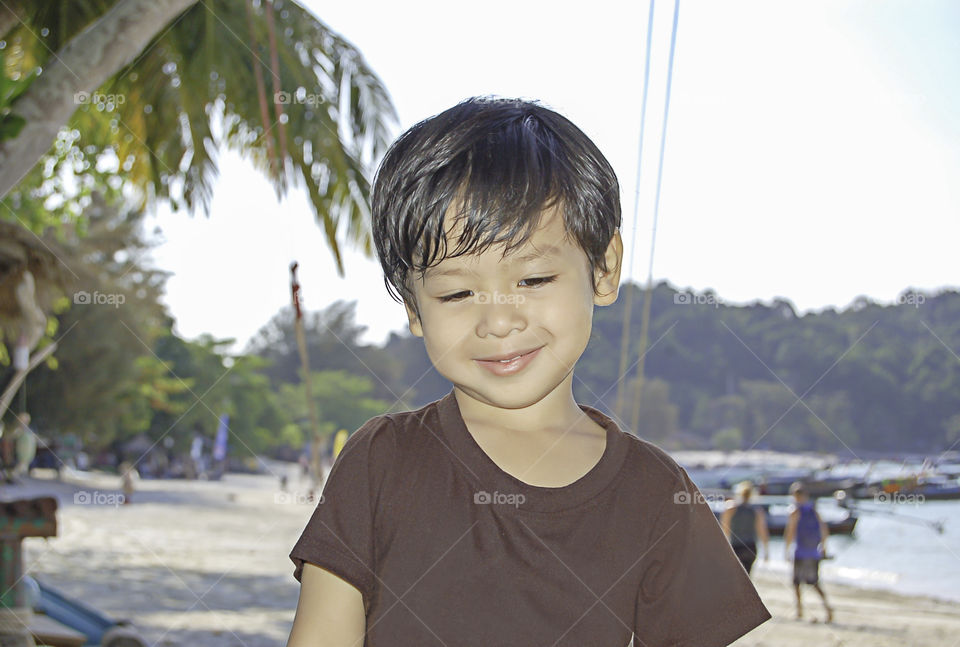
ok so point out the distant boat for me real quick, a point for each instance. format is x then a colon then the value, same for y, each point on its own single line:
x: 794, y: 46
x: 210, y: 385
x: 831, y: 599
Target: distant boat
x: 777, y: 521
x: 950, y: 470
x: 816, y: 487
x: 933, y: 487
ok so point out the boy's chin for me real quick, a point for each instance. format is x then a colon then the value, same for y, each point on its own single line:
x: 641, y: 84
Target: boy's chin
x: 508, y: 394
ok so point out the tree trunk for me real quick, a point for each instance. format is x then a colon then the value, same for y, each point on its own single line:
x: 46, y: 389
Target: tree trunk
x: 10, y: 13
x: 19, y: 376
x: 82, y: 66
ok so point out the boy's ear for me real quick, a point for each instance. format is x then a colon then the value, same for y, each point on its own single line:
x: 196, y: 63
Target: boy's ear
x: 609, y: 282
x: 413, y: 321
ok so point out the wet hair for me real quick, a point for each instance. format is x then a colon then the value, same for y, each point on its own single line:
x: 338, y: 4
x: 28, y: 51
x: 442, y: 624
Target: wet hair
x: 501, y: 162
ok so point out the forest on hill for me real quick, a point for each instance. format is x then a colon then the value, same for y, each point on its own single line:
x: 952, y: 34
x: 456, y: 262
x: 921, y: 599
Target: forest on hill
x: 869, y: 377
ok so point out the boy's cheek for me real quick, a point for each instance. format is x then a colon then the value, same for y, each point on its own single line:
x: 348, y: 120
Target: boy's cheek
x: 569, y: 303
x: 413, y: 320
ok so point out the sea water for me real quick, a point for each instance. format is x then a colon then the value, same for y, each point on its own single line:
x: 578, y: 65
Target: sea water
x: 894, y: 551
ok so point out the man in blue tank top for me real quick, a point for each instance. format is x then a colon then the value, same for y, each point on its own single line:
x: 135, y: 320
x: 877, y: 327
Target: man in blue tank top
x: 810, y: 533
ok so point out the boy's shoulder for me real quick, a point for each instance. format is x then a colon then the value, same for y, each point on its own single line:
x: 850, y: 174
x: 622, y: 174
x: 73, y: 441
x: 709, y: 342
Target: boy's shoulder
x: 651, y: 452
x: 662, y: 477
x: 388, y: 433
x: 643, y: 455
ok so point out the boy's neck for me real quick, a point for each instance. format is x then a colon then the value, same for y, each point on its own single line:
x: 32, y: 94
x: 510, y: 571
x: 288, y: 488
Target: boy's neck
x: 557, y: 411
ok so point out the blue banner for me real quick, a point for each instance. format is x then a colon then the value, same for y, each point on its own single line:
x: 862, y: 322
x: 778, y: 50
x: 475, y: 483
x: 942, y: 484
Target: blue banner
x: 220, y: 443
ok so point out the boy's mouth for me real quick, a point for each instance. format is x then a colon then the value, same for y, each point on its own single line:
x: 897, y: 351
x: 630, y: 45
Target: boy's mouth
x: 507, y: 356
x: 509, y: 363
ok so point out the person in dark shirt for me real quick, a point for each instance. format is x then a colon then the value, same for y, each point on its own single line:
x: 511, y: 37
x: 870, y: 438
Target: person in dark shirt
x: 744, y: 524
x: 507, y: 513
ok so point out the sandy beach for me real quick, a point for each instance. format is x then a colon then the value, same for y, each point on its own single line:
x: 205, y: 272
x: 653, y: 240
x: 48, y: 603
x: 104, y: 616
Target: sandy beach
x: 204, y: 563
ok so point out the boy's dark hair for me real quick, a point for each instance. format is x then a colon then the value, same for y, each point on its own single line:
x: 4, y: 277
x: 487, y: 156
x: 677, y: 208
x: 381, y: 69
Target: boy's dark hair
x: 503, y: 161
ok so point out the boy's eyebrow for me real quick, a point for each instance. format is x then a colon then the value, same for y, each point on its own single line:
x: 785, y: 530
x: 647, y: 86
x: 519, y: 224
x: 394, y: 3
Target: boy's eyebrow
x: 545, y: 252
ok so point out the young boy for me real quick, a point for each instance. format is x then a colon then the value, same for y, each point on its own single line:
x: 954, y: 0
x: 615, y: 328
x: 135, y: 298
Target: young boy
x: 505, y: 513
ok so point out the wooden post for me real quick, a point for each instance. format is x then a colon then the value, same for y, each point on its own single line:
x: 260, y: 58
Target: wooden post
x: 18, y: 519
x: 308, y: 385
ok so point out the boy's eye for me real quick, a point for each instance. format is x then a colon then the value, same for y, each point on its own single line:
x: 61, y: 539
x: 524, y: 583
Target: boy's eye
x: 454, y: 297
x: 541, y: 280
x: 532, y: 282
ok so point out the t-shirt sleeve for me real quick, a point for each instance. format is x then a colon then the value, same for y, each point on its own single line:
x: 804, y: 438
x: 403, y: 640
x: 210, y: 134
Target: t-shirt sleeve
x: 694, y: 592
x: 339, y: 536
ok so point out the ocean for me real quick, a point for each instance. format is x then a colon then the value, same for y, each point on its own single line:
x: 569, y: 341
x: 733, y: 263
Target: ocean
x: 896, y: 552
x: 893, y: 546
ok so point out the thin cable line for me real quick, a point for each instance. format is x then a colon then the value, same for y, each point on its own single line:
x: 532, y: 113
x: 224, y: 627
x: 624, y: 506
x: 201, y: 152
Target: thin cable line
x: 628, y: 304
x: 645, y: 323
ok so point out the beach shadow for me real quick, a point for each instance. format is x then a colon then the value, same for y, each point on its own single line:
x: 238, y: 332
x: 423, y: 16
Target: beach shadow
x: 144, y: 595
x: 855, y: 628
x: 127, y: 591
x: 70, y: 491
x: 164, y: 637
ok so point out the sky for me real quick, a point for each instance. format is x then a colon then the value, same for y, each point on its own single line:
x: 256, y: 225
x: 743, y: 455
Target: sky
x: 812, y: 149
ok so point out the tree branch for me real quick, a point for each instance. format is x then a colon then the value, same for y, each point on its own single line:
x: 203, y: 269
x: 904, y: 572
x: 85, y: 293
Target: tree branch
x: 83, y: 65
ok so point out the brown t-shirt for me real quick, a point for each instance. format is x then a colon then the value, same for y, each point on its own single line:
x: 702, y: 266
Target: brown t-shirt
x: 449, y: 549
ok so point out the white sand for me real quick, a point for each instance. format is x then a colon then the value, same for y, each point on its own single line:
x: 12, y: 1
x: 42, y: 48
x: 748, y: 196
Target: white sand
x: 190, y: 563
x: 205, y: 564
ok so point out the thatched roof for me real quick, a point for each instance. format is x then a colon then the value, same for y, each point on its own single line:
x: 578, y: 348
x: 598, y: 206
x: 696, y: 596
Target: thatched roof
x: 22, y: 250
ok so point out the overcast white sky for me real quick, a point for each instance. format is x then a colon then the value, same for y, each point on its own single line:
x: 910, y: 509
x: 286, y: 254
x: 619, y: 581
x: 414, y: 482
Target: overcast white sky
x: 813, y: 148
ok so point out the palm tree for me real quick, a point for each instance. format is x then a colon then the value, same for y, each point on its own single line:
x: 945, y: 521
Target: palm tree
x: 154, y: 88
x: 187, y: 79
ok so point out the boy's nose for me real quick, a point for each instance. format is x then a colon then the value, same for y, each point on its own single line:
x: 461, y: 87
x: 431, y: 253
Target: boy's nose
x: 500, y: 314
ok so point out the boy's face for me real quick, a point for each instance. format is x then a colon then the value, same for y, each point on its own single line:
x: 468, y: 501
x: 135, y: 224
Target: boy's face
x: 538, y: 298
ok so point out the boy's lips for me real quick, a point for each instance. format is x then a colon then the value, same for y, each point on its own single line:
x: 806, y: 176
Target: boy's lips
x: 508, y: 355
x: 512, y: 363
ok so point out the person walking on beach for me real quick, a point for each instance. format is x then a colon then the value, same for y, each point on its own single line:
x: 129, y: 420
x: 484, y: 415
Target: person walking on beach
x: 8, y: 458
x: 26, y: 445
x: 810, y: 533
x: 17, y: 449
x: 744, y: 523
x: 127, y: 480
x: 505, y: 512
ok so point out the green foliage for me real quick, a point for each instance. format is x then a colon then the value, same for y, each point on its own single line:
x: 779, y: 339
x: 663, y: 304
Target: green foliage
x: 342, y: 400
x: 161, y: 120
x: 151, y: 132
x: 727, y: 439
x: 105, y: 378
x: 658, y: 415
x: 214, y: 383
x: 869, y: 377
x: 11, y: 88
x: 332, y: 337
x: 796, y: 391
